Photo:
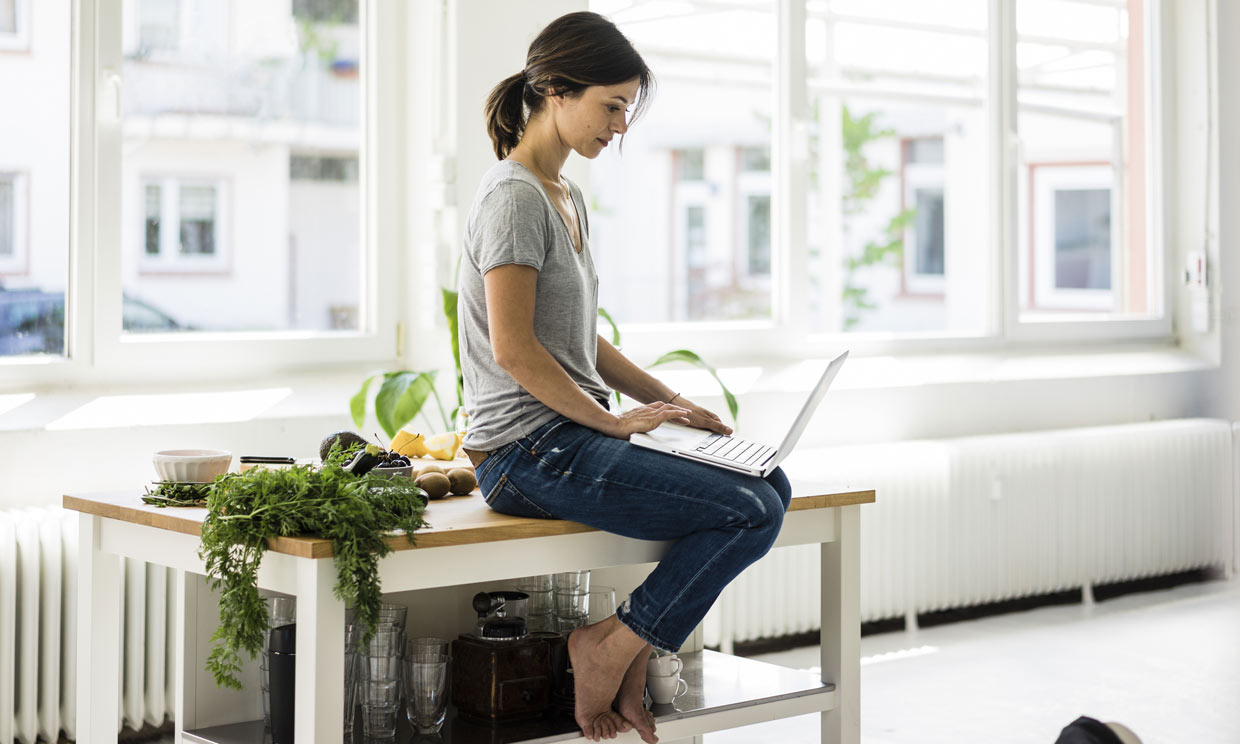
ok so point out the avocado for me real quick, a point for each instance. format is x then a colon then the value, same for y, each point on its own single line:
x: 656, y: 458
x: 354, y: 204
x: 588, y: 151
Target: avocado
x: 346, y: 439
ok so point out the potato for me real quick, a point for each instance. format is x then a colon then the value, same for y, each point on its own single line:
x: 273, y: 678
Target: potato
x: 436, y: 485
x: 462, y: 480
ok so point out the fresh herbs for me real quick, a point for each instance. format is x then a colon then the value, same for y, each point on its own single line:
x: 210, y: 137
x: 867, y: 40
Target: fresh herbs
x: 246, y: 510
x: 173, y: 493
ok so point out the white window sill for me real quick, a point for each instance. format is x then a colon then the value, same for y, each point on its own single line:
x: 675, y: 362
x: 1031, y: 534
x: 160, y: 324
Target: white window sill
x: 913, y: 371
x: 326, y: 395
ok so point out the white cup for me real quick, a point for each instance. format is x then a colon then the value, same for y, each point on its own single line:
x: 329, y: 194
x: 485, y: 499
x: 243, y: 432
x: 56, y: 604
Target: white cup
x: 664, y: 688
x: 665, y: 665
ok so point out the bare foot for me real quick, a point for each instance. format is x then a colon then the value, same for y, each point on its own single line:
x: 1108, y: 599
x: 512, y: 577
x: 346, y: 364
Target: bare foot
x: 630, y: 703
x: 600, y: 655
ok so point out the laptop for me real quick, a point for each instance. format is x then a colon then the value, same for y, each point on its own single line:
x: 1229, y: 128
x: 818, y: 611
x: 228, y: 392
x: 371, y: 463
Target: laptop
x: 734, y: 453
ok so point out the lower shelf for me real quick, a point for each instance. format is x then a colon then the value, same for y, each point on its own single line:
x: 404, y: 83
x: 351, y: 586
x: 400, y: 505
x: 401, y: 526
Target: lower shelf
x: 724, y: 692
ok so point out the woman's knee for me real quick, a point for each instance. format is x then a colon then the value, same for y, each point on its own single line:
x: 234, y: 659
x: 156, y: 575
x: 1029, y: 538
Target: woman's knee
x: 779, y: 481
x: 761, y: 504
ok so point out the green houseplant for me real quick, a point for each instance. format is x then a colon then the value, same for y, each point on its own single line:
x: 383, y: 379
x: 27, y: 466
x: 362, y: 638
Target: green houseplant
x: 403, y: 394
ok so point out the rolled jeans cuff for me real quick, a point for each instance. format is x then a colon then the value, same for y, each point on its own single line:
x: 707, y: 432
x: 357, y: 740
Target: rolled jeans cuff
x: 625, y: 615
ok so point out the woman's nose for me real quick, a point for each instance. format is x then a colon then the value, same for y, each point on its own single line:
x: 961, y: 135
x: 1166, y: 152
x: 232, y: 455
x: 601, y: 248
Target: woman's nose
x: 621, y: 125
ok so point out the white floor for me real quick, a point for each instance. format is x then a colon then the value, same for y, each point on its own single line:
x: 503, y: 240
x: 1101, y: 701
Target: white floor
x: 1166, y: 664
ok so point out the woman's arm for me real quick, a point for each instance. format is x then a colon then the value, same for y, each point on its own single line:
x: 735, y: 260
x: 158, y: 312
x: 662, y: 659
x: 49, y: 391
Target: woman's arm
x: 635, y: 382
x: 618, y: 372
x: 510, y: 291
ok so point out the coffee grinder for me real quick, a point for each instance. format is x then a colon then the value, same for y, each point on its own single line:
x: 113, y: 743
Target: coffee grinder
x: 500, y: 672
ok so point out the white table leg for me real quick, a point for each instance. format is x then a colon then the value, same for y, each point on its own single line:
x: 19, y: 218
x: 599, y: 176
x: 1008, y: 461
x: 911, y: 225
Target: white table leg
x: 184, y: 671
x: 319, y: 707
x: 98, y: 637
x: 841, y: 627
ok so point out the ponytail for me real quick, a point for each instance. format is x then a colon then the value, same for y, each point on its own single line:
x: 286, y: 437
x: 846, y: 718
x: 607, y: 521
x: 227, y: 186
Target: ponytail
x: 505, y: 114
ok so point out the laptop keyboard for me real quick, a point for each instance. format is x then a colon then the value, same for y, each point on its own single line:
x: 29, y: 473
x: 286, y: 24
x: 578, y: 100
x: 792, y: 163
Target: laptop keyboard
x: 736, y: 450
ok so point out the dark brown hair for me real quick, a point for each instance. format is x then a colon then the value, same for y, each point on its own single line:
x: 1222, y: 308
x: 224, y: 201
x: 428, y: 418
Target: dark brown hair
x: 572, y: 53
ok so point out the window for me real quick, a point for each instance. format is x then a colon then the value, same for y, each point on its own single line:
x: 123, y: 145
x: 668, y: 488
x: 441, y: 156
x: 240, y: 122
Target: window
x: 1082, y: 98
x: 12, y: 234
x: 34, y: 182
x: 14, y: 25
x: 159, y: 24
x: 243, y: 160
x: 925, y: 254
x: 888, y: 121
x: 1070, y: 237
x: 326, y: 11
x: 227, y: 167
x: 702, y: 149
x: 181, y: 225
x: 323, y: 168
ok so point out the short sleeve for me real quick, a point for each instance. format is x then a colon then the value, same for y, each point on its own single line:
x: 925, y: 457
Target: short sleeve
x: 510, y: 227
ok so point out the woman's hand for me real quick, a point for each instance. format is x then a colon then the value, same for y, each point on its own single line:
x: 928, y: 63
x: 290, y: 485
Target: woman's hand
x: 701, y: 418
x: 647, y: 417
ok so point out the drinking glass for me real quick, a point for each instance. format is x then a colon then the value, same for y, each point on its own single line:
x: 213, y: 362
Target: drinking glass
x: 423, y: 646
x: 381, y: 690
x: 386, y: 642
x: 393, y: 615
x: 540, y: 608
x: 352, y: 672
x: 572, y: 581
x: 602, y: 603
x: 426, y: 691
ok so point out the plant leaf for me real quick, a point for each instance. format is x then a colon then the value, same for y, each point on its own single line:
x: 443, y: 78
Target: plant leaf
x: 400, y: 398
x: 684, y: 355
x: 450, y: 297
x: 357, y: 404
x: 615, y: 330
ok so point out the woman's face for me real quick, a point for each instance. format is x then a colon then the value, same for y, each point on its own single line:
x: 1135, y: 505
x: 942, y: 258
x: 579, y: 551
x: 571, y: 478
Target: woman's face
x: 587, y: 122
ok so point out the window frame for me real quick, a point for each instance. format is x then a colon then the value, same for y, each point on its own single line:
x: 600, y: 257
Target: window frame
x: 19, y: 39
x: 97, y: 351
x: 1088, y: 327
x: 19, y: 263
x: 787, y: 335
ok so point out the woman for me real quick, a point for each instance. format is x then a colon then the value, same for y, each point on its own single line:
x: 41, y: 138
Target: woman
x: 538, y: 377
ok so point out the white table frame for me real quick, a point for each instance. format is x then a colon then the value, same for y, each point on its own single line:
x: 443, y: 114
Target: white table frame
x: 320, y: 626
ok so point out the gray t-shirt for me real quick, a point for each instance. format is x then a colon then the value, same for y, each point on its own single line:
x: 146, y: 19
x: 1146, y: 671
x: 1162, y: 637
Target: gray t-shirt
x: 513, y: 222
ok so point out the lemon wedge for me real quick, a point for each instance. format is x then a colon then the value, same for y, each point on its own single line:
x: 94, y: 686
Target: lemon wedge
x: 443, y: 446
x: 409, y: 444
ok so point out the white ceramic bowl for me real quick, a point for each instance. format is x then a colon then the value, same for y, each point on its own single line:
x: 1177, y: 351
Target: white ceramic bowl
x: 191, y: 465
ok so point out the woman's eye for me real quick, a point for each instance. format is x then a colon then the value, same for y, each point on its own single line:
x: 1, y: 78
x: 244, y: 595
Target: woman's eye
x: 613, y: 109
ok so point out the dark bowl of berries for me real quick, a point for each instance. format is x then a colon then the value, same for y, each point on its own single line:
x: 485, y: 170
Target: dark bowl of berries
x: 394, y: 466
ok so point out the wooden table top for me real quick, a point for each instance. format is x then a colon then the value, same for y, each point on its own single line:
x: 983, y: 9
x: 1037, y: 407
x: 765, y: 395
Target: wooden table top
x: 456, y: 520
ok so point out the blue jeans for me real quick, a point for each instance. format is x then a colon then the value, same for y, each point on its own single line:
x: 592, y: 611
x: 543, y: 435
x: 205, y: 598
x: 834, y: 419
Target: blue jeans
x: 721, y: 521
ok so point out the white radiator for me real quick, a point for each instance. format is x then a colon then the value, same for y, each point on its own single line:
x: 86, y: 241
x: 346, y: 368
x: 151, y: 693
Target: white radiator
x: 38, y: 631
x: 969, y: 521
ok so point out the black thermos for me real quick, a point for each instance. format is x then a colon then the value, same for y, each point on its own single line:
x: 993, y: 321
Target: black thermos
x: 282, y: 649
